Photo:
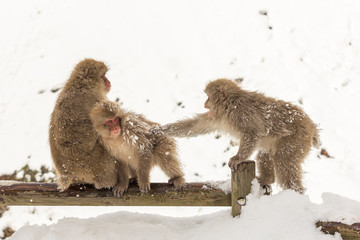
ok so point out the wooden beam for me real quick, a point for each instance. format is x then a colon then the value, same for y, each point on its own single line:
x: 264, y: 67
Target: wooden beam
x: 161, y: 194
x: 241, y: 185
x: 347, y: 232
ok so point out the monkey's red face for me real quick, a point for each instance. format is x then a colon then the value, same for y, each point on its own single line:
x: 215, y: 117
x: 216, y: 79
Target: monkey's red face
x: 107, y: 83
x: 206, y: 105
x: 114, y: 125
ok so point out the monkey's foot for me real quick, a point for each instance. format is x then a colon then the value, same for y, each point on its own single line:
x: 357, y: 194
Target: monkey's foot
x: 144, y: 187
x: 234, y: 162
x: 266, y: 190
x: 119, y: 190
x: 145, y: 190
x: 178, y: 182
x: 61, y: 188
x: 63, y: 185
x: 300, y: 190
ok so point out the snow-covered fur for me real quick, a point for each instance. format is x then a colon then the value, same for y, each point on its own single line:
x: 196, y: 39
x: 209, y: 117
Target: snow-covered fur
x: 281, y: 131
x: 136, y: 146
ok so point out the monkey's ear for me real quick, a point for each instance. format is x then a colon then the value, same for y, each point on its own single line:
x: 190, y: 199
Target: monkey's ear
x: 223, y: 93
x: 84, y: 72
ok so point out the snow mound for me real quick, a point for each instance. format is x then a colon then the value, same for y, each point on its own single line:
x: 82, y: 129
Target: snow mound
x: 286, y: 215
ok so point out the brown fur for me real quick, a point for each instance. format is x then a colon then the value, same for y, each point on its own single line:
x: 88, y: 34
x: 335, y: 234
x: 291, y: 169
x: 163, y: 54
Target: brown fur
x: 136, y: 146
x: 75, y: 148
x: 282, y: 132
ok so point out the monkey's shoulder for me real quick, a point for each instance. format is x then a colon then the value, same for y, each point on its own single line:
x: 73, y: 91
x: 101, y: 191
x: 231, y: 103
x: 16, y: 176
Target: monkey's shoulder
x: 137, y: 121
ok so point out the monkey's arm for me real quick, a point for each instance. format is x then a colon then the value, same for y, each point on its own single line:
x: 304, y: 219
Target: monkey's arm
x: 191, y: 127
x: 247, y: 146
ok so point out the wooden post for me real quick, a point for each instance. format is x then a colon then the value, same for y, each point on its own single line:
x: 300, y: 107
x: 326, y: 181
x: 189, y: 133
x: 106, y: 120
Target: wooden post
x: 241, y: 185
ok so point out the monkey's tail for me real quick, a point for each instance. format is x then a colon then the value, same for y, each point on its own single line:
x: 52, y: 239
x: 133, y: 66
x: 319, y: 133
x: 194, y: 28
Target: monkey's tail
x: 316, y: 138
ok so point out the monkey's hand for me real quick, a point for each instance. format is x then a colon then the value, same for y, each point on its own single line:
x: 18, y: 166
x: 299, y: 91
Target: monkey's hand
x: 178, y: 182
x: 119, y: 190
x: 157, y: 130
x: 234, y: 162
x: 144, y: 187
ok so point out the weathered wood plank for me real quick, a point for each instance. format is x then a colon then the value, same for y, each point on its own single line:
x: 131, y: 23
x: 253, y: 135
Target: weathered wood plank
x: 241, y: 185
x: 161, y: 194
x: 347, y: 232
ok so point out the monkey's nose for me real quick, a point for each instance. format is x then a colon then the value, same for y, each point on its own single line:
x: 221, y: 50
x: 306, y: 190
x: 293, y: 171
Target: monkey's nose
x: 116, y: 131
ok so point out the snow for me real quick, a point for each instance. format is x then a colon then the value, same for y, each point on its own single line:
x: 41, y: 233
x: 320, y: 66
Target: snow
x: 8, y: 182
x: 291, y: 216
x: 224, y: 186
x: 161, y: 55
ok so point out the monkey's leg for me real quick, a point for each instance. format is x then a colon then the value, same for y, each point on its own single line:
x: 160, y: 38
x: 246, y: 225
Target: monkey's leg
x: 288, y: 159
x: 165, y: 156
x: 170, y: 164
x: 143, y: 172
x: 122, y: 184
x: 63, y: 182
x: 265, y: 166
x: 66, y: 173
x: 104, y: 170
x: 132, y: 174
x: 246, y: 148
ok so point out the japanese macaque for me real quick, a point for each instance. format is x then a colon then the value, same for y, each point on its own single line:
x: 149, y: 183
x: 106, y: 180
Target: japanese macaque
x: 281, y: 132
x: 75, y: 147
x: 126, y: 136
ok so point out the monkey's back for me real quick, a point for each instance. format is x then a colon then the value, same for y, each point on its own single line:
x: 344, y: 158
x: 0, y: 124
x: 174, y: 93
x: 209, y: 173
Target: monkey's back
x: 71, y: 135
x: 269, y: 116
x: 137, y: 130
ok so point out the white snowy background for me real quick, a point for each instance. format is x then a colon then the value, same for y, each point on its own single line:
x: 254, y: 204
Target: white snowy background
x: 161, y: 54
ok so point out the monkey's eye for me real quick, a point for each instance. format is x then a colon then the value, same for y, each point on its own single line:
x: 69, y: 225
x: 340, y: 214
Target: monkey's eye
x: 109, y: 122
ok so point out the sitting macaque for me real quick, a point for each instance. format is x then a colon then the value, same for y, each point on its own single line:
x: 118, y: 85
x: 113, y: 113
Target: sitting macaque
x: 126, y: 136
x: 282, y: 132
x: 77, y: 154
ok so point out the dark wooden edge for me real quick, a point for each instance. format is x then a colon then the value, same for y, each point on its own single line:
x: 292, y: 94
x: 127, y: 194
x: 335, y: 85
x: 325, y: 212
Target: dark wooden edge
x: 52, y: 187
x: 161, y: 194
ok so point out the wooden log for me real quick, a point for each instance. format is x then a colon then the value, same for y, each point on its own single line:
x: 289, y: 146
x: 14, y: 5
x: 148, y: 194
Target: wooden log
x: 241, y: 185
x: 161, y: 194
x: 347, y: 232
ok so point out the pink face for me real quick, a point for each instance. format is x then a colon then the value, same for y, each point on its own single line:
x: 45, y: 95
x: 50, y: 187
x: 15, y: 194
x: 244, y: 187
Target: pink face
x: 114, y: 125
x: 107, y: 83
x: 206, y: 105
